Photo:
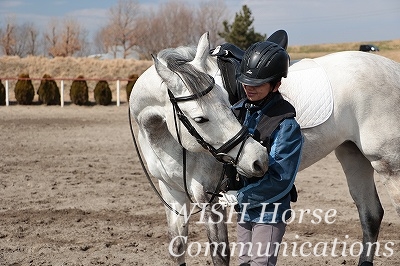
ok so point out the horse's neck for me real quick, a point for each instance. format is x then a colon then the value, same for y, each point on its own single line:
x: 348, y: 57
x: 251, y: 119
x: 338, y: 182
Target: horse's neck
x: 162, y: 153
x: 164, y: 157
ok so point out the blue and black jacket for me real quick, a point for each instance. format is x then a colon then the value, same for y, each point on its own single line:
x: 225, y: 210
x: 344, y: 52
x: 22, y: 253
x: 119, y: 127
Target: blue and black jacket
x: 265, y: 199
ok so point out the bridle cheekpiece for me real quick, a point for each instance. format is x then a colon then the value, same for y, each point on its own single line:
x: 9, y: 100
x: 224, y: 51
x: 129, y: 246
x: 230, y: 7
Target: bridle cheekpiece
x: 221, y: 154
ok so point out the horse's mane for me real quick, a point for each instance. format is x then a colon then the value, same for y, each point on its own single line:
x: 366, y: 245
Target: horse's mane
x: 177, y: 59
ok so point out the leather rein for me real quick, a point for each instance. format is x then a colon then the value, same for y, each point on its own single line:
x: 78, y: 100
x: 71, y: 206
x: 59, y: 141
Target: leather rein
x: 220, y: 154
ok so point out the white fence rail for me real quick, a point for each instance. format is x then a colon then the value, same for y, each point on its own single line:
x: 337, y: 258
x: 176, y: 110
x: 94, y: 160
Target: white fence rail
x: 62, y: 86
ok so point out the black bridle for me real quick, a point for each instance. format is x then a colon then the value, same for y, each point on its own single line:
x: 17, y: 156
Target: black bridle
x: 220, y: 154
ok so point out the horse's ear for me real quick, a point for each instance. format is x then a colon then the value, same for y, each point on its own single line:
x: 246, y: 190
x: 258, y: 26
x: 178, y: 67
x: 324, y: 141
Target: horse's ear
x: 169, y: 77
x: 203, y: 49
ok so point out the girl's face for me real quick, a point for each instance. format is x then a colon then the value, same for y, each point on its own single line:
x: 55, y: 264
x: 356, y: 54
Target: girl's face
x: 257, y: 93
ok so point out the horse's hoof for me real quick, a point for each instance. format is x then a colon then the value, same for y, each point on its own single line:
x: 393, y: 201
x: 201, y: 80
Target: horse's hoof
x: 366, y: 263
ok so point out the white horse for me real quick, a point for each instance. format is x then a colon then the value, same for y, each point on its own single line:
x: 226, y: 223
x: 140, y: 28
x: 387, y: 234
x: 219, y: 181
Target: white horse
x: 361, y: 127
x: 159, y: 96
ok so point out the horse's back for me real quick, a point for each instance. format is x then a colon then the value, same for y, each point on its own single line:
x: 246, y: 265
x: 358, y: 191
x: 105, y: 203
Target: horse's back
x: 356, y: 64
x: 367, y: 82
x: 365, y: 90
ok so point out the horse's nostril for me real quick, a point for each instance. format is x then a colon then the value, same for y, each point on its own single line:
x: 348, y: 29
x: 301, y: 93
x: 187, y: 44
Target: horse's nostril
x: 259, y: 168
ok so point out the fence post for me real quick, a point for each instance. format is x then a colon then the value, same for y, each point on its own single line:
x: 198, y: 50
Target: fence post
x: 7, y: 95
x: 62, y: 93
x: 118, y: 100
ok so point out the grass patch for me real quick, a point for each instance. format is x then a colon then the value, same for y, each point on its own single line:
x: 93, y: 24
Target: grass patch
x: 390, y: 49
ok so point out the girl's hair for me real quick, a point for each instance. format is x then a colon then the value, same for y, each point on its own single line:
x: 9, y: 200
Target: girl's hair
x: 274, y: 82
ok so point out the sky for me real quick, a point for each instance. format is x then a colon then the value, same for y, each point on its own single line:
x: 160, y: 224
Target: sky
x: 306, y: 21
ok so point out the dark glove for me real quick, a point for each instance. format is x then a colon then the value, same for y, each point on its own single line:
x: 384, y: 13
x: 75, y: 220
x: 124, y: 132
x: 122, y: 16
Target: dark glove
x: 293, y: 194
x: 233, y: 180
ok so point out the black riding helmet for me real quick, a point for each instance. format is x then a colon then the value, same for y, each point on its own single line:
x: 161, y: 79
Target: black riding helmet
x: 263, y: 62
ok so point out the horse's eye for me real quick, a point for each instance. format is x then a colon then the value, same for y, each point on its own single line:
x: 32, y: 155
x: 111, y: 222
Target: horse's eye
x: 200, y: 120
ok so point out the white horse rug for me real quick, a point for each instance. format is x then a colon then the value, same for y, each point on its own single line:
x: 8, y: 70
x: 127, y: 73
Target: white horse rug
x: 310, y: 92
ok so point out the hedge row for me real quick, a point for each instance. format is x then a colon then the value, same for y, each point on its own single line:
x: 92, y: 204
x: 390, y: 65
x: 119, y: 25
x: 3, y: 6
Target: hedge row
x: 49, y: 93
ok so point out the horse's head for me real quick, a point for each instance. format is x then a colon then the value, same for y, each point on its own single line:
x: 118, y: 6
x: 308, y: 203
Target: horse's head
x: 197, y: 103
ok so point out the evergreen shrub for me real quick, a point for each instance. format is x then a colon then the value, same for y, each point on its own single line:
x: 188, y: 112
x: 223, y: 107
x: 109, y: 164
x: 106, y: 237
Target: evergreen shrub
x: 2, y: 94
x: 48, y: 91
x: 24, y: 91
x: 102, y: 93
x: 79, y: 92
x: 133, y: 78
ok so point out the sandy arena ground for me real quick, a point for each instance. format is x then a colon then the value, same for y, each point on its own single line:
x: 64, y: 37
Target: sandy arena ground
x: 73, y: 193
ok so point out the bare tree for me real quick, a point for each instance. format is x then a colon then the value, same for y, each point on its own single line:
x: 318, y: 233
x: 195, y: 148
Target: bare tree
x: 20, y: 44
x: 210, y: 17
x: 85, y: 45
x: 108, y: 40
x: 71, y: 38
x: 51, y: 36
x: 26, y: 43
x: 147, y: 43
x: 8, y: 36
x: 19, y: 39
x: 120, y: 35
x: 128, y: 30
x: 8, y: 39
x: 170, y: 26
x: 98, y: 43
x: 32, y: 38
x: 64, y: 40
x: 178, y: 21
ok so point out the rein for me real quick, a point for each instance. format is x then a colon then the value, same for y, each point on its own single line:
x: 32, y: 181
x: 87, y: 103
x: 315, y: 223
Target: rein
x: 144, y: 167
x: 220, y: 154
x: 214, y: 194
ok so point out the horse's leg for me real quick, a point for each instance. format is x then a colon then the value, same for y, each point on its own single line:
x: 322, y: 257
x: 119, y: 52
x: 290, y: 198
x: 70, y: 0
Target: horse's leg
x: 217, y: 234
x: 392, y: 184
x: 388, y: 168
x: 360, y: 179
x: 177, y: 224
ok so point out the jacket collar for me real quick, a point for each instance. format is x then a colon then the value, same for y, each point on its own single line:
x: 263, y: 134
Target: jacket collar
x: 276, y: 96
